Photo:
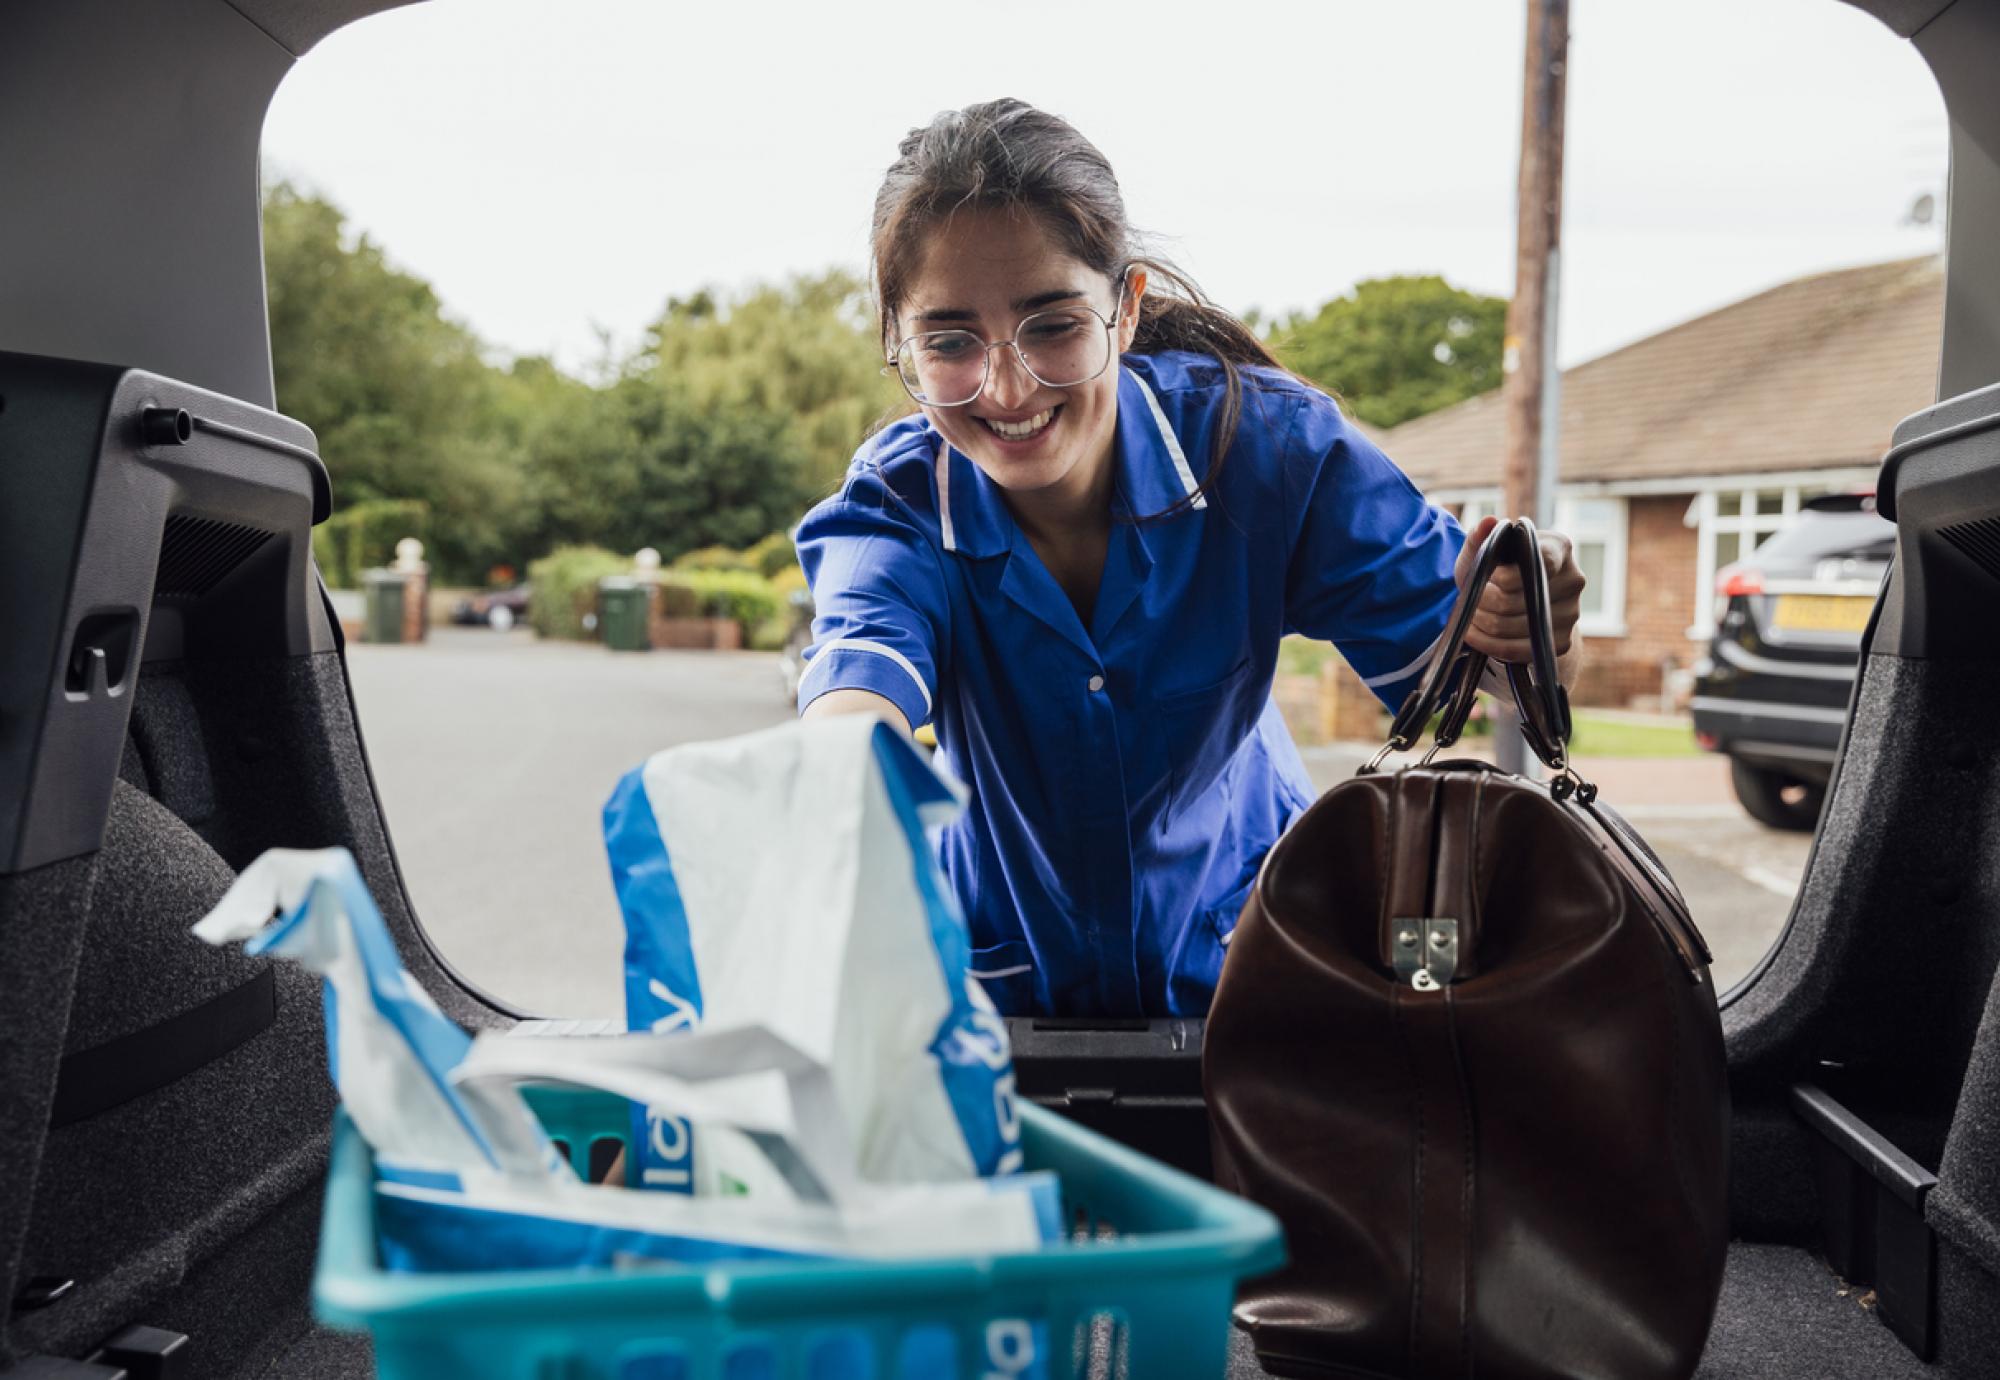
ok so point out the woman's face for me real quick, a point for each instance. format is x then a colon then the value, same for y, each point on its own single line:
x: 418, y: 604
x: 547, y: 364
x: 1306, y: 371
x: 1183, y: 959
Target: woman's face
x: 983, y: 272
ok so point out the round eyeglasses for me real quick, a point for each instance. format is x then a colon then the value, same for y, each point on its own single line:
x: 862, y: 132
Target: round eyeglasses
x: 1060, y: 348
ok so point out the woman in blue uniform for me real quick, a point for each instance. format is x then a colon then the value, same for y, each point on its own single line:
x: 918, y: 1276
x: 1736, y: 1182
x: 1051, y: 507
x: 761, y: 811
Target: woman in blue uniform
x: 1078, y: 558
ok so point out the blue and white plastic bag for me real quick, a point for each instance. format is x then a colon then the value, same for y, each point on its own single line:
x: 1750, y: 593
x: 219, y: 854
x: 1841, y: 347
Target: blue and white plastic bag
x: 783, y: 878
x: 468, y: 1180
x: 389, y: 1049
x: 747, y: 1079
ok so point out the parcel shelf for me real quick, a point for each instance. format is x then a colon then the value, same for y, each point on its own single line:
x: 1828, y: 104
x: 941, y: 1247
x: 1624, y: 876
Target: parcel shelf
x: 1153, y: 1249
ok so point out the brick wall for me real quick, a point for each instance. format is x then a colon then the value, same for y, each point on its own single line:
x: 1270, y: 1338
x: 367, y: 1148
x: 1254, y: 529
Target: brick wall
x: 1659, y: 606
x: 1332, y: 706
x: 416, y: 605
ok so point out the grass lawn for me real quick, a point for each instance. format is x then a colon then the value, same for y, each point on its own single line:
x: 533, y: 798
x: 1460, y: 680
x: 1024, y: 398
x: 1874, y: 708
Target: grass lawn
x: 1597, y: 737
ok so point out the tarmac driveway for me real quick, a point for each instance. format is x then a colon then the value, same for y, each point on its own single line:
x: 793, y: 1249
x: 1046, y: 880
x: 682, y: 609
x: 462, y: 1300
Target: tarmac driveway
x: 494, y: 753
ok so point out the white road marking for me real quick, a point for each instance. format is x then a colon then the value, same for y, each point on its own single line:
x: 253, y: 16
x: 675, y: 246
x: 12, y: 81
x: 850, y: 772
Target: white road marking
x: 1639, y: 812
x: 1774, y: 882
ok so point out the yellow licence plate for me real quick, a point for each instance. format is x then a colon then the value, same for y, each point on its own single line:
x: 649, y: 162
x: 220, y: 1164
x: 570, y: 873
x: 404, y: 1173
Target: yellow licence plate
x: 1847, y: 613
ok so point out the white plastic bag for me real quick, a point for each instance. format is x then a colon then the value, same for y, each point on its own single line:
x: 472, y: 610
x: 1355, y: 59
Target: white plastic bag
x: 468, y: 1179
x: 783, y: 878
x: 776, y: 1097
x: 389, y: 1049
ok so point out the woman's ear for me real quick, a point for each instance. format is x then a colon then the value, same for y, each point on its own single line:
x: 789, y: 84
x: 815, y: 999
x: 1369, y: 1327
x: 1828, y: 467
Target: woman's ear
x: 1128, y: 316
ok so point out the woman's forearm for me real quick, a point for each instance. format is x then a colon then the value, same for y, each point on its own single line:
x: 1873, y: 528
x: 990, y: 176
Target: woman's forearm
x: 857, y: 702
x: 1570, y: 662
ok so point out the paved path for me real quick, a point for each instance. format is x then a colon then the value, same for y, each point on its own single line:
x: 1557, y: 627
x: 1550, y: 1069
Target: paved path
x: 494, y: 754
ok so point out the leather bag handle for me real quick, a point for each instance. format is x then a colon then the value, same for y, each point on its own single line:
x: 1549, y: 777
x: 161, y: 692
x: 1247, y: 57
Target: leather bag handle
x: 1455, y: 671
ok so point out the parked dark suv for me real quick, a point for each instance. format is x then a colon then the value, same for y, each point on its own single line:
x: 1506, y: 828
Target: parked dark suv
x: 1773, y: 691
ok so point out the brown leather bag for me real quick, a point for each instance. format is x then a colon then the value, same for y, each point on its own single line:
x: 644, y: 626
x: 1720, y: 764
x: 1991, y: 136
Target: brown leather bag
x: 1466, y: 1048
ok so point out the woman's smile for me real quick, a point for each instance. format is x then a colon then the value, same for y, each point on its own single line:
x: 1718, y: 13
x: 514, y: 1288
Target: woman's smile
x: 1024, y: 433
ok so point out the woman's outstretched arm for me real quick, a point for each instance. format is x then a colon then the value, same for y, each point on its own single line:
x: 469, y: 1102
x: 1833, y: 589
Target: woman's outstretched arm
x: 857, y: 702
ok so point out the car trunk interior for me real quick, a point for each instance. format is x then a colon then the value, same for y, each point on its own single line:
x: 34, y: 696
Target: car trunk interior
x: 173, y: 701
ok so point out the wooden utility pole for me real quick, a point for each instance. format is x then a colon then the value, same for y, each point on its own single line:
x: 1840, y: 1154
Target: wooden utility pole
x: 1529, y: 360
x: 1528, y: 473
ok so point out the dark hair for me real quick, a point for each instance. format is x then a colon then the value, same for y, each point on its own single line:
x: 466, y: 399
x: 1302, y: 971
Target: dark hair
x: 1007, y: 155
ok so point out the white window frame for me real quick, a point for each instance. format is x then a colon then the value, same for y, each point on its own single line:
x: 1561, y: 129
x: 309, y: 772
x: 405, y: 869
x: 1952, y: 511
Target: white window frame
x: 1613, y: 534
x: 1705, y: 515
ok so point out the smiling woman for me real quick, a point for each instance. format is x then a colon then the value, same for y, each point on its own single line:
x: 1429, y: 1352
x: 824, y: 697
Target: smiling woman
x: 1078, y: 561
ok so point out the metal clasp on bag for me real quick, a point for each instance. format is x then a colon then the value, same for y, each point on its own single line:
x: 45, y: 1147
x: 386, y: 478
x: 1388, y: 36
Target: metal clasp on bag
x: 1567, y: 783
x: 1426, y: 951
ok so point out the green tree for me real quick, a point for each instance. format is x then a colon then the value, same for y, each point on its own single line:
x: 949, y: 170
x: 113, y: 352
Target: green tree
x: 720, y: 430
x: 401, y: 398
x: 1396, y: 348
x: 639, y: 464
x: 805, y: 350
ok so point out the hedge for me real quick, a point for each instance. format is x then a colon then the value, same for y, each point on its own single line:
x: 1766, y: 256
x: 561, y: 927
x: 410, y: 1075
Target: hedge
x: 738, y: 594
x: 774, y: 555
x: 565, y: 589
x: 715, y: 558
x: 363, y: 536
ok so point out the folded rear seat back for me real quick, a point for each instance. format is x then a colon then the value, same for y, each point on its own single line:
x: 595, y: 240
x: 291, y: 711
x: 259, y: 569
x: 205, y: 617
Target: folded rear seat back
x: 209, y: 1113
x: 163, y: 1105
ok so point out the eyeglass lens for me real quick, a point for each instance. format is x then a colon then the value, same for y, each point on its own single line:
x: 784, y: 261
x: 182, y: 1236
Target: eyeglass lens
x: 1061, y: 348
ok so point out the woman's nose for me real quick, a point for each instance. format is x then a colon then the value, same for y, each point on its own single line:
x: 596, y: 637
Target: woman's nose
x: 1009, y: 382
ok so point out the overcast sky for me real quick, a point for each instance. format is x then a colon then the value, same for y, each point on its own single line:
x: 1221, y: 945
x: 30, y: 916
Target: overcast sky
x: 558, y: 167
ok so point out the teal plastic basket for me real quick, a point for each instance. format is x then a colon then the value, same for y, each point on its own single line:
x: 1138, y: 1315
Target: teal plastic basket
x: 1142, y: 1287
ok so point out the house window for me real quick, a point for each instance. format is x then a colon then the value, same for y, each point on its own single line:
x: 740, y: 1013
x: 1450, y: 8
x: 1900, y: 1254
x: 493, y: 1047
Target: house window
x: 1743, y: 520
x: 1597, y: 526
x: 1733, y: 523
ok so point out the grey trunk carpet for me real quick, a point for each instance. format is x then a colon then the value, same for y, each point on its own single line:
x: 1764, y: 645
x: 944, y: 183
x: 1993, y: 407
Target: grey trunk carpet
x: 1783, y: 1317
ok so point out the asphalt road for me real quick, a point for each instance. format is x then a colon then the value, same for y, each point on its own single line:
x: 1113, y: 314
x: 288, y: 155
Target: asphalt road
x: 494, y: 754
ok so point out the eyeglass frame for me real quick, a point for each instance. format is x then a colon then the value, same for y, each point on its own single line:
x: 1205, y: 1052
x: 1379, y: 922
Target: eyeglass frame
x: 1014, y: 340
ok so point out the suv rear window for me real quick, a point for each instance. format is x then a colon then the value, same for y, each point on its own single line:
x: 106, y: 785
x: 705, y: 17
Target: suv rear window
x: 1818, y: 535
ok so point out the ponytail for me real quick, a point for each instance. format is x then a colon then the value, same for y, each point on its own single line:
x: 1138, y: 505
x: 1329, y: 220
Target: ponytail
x: 1175, y: 314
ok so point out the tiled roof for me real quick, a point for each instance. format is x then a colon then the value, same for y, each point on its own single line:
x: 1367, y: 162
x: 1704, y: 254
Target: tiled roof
x: 1812, y: 374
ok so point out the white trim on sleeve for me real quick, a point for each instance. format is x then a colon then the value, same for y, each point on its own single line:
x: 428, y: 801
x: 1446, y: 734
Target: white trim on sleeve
x: 1423, y: 660
x: 1173, y: 445
x: 1018, y: 968
x: 857, y: 644
x: 943, y: 468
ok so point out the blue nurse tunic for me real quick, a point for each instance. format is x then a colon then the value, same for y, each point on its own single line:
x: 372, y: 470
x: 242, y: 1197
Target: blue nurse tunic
x: 1126, y: 777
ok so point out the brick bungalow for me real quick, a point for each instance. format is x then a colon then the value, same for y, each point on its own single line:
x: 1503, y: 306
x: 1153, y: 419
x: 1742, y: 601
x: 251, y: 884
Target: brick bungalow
x: 1685, y: 450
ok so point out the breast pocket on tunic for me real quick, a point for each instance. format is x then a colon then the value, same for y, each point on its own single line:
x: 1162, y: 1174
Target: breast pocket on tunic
x: 1201, y: 730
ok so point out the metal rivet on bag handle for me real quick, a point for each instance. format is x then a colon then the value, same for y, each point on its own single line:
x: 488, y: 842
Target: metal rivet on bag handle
x: 1407, y: 938
x: 1439, y: 939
